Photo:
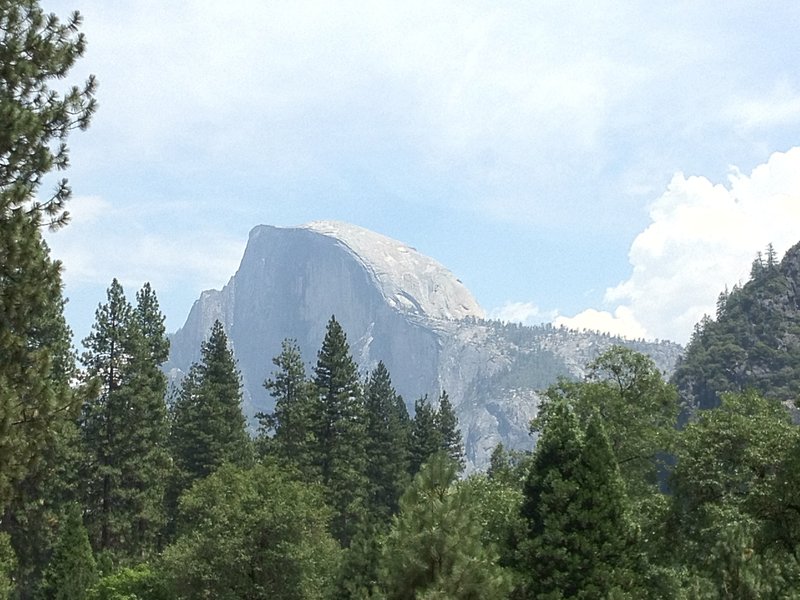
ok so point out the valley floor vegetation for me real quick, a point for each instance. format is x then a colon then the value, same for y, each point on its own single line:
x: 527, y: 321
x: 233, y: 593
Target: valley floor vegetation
x: 112, y: 486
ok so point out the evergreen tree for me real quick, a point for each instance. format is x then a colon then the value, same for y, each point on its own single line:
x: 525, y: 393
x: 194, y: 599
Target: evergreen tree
x: 579, y: 539
x: 341, y: 434
x: 387, y: 443
x: 447, y: 423
x: 35, y: 50
x: 208, y: 427
x: 293, y: 421
x: 72, y: 569
x: 435, y: 547
x: 124, y: 429
x: 425, y: 437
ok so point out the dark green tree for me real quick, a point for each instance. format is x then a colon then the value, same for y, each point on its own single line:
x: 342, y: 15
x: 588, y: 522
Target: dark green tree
x: 425, y: 436
x: 251, y: 533
x: 435, y: 547
x: 580, y: 535
x: 36, y: 49
x: 72, y: 569
x: 208, y: 427
x: 288, y: 433
x: 124, y: 429
x: 447, y: 423
x: 341, y: 434
x: 387, y: 443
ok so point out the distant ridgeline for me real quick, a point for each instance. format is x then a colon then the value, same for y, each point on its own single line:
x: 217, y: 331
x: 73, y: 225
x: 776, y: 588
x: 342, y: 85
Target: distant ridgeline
x: 754, y: 341
x: 399, y: 307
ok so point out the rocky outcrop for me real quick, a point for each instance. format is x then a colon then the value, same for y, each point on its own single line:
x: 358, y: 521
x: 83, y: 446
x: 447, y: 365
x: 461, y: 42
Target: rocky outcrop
x: 398, y: 306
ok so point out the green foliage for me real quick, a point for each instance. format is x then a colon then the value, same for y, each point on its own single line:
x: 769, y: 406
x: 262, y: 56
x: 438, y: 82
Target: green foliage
x: 8, y: 563
x: 732, y: 460
x: 387, y: 443
x: 435, y: 548
x: 72, y: 569
x: 293, y: 422
x: 581, y: 541
x: 251, y: 533
x: 124, y: 428
x: 341, y: 434
x: 141, y: 582
x: 754, y: 343
x: 638, y: 409
x: 447, y: 423
x: 434, y: 430
x: 425, y: 437
x: 36, y: 49
x: 208, y: 427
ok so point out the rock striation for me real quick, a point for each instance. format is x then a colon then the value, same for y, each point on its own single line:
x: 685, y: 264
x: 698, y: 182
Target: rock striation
x: 398, y: 306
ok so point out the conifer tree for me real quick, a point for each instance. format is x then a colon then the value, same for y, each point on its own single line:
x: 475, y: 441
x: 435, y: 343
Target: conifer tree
x: 72, y: 569
x: 208, y: 427
x: 447, y: 423
x: 425, y: 437
x: 580, y: 539
x: 124, y: 429
x: 387, y: 442
x: 293, y: 420
x: 435, y: 547
x: 341, y: 434
x: 35, y: 50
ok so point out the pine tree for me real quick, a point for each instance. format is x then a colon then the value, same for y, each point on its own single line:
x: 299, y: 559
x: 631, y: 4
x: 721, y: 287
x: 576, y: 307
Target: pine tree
x: 35, y: 50
x: 425, y: 438
x: 293, y: 421
x: 447, y: 423
x: 341, y: 434
x: 387, y: 443
x: 72, y: 569
x: 124, y: 429
x: 208, y: 427
x: 435, y: 547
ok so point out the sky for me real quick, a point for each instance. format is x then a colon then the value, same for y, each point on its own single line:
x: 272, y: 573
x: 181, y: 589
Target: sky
x: 601, y: 165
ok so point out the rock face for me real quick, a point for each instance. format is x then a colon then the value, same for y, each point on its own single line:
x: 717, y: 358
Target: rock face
x: 395, y: 305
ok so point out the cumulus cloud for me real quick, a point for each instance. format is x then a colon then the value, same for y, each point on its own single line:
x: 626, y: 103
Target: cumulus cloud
x: 702, y: 238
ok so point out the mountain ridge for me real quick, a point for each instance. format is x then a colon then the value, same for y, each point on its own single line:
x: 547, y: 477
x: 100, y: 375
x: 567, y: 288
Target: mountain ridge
x: 397, y: 306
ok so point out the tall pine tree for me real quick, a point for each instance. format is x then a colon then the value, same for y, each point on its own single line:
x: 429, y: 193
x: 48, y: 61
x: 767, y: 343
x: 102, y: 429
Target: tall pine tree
x: 341, y: 434
x: 124, y: 428
x: 447, y: 423
x: 293, y: 422
x: 208, y: 427
x: 425, y: 438
x: 387, y: 443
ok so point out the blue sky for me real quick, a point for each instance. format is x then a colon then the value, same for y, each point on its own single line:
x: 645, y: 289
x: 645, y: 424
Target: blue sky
x: 602, y: 164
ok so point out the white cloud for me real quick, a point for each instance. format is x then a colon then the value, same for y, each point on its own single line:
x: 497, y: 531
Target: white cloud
x: 702, y: 238
x: 622, y: 322
x: 526, y: 313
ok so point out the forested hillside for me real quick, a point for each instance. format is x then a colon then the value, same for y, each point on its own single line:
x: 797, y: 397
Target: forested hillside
x: 754, y: 340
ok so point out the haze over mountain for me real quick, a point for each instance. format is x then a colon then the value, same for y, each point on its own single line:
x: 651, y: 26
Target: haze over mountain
x: 398, y: 306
